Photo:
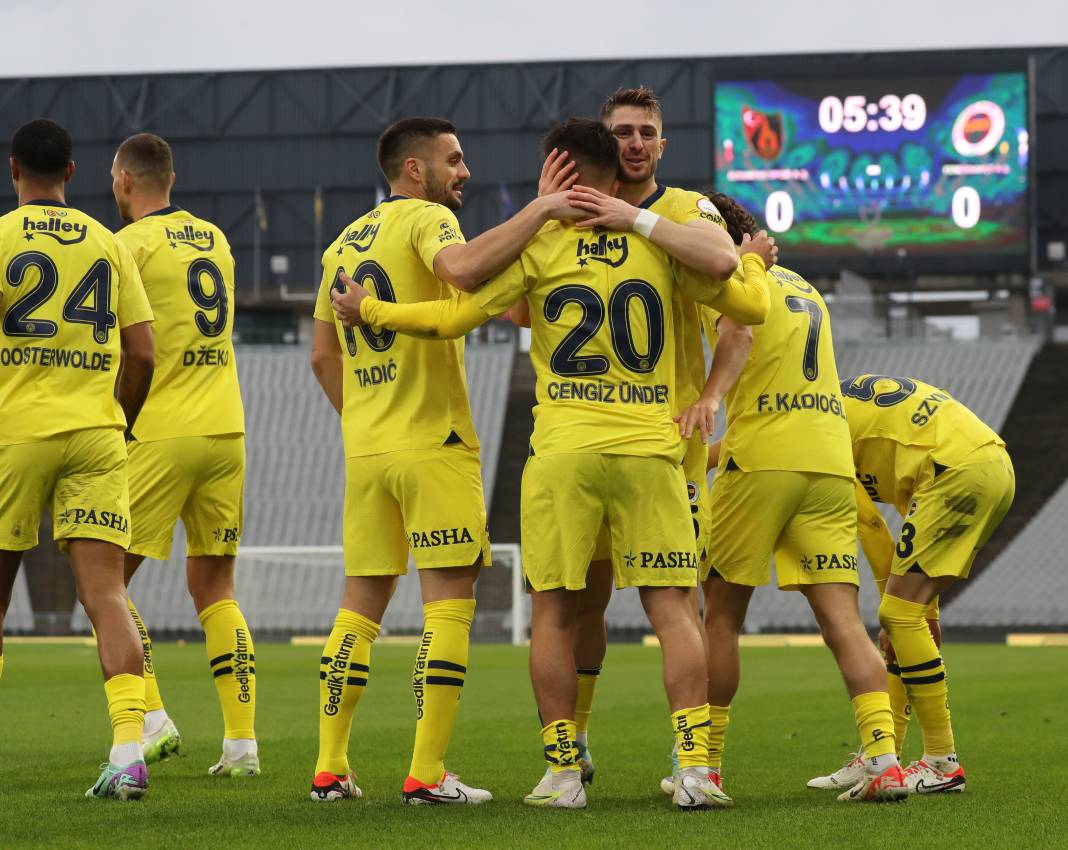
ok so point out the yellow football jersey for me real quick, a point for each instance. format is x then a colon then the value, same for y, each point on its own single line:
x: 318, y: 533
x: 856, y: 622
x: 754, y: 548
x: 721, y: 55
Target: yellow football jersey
x: 188, y: 273
x: 898, y: 424
x: 67, y: 289
x: 683, y: 206
x: 603, y: 339
x: 785, y: 411
x: 399, y: 392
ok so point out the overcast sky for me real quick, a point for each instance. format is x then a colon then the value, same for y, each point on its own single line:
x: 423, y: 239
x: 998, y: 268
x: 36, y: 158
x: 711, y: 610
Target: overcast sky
x: 64, y: 37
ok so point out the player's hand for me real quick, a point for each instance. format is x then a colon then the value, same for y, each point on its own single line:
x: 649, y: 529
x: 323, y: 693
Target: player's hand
x: 702, y: 415
x: 887, y: 647
x: 347, y: 304
x: 558, y: 206
x: 601, y: 210
x: 557, y: 175
x: 519, y: 314
x: 762, y: 245
x: 936, y: 632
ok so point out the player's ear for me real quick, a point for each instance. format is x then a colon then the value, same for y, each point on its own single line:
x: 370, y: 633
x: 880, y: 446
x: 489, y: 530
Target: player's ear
x: 614, y: 191
x: 663, y: 144
x: 173, y: 178
x: 14, y: 169
x: 69, y: 172
x: 413, y: 169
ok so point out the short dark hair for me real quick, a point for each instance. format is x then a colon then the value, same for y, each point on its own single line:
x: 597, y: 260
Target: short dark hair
x: 403, y: 139
x: 42, y: 148
x: 643, y: 97
x: 738, y: 219
x: 589, y: 144
x: 147, y: 156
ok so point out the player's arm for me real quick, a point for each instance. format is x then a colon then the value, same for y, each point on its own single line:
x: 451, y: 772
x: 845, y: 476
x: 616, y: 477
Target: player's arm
x: 326, y: 361
x: 744, y: 298
x: 713, y: 455
x: 468, y: 264
x: 519, y: 313
x: 448, y: 318
x: 135, y: 371
x: 700, y: 245
x: 875, y: 537
x: 733, y: 342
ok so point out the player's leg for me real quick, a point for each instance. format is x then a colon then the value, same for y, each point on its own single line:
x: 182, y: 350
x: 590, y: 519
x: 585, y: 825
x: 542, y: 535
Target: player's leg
x: 590, y: 646
x: 654, y: 549
x: 9, y: 570
x: 971, y: 500
x: 376, y: 553
x: 562, y: 499
x: 213, y: 514
x: 161, y: 478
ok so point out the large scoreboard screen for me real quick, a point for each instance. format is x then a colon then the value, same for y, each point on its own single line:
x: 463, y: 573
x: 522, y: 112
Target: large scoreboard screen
x: 885, y: 173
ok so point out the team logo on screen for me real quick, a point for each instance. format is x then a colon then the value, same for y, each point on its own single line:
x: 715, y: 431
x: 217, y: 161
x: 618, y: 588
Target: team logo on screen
x: 978, y: 128
x: 763, y: 132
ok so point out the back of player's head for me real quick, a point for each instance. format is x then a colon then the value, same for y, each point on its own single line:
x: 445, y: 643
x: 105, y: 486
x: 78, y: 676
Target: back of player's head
x: 738, y: 219
x: 148, y: 158
x: 641, y: 97
x: 589, y: 144
x: 406, y: 138
x: 42, y: 148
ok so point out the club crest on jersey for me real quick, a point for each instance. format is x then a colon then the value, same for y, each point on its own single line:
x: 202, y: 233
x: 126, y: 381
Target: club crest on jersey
x: 64, y: 232
x: 202, y: 240
x: 612, y: 252
x: 359, y: 238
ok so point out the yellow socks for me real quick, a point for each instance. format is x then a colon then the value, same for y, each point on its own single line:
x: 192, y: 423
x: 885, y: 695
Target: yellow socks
x: 691, y: 728
x: 153, y: 701
x: 875, y: 722
x: 899, y: 705
x: 587, y: 684
x: 126, y: 707
x: 922, y: 672
x: 438, y: 680
x: 232, y: 658
x: 561, y: 750
x: 720, y: 717
x: 343, y: 671
x: 1, y: 666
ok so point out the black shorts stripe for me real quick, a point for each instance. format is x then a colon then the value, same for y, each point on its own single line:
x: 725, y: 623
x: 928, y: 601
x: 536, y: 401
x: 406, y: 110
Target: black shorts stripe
x: 927, y: 665
x: 924, y: 680
x: 220, y: 659
x: 893, y: 669
x: 223, y: 671
x: 444, y: 680
x: 434, y: 664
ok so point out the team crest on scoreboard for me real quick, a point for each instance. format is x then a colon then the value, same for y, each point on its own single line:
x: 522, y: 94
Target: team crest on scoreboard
x: 763, y: 132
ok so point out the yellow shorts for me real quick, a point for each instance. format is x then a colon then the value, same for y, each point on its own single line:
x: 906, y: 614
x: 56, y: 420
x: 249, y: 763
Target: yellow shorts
x: 953, y: 513
x: 428, y: 501
x: 200, y: 480
x: 807, y: 520
x: 84, y: 475
x: 695, y: 468
x: 567, y: 499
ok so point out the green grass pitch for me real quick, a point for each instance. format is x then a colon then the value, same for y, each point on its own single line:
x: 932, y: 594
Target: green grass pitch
x: 791, y: 720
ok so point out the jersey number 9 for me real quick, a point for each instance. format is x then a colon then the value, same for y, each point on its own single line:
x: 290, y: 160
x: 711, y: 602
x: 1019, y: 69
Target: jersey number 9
x: 211, y: 301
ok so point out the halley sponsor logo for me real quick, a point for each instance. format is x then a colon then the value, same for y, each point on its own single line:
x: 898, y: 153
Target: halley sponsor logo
x: 439, y: 537
x: 359, y: 238
x: 55, y: 228
x: 601, y: 249
x: 202, y: 240
x: 336, y: 673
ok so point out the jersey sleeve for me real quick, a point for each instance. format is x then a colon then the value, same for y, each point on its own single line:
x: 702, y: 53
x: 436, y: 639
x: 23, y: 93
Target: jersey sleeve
x: 434, y: 228
x: 323, y: 311
x: 498, y: 294
x: 445, y: 318
x: 133, y: 305
x: 693, y: 206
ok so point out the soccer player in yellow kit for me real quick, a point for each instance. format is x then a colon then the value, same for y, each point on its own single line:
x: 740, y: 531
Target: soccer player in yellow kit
x: 950, y: 477
x: 604, y: 448
x: 635, y: 118
x: 73, y: 309
x: 187, y: 458
x: 412, y: 475
x: 784, y: 487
